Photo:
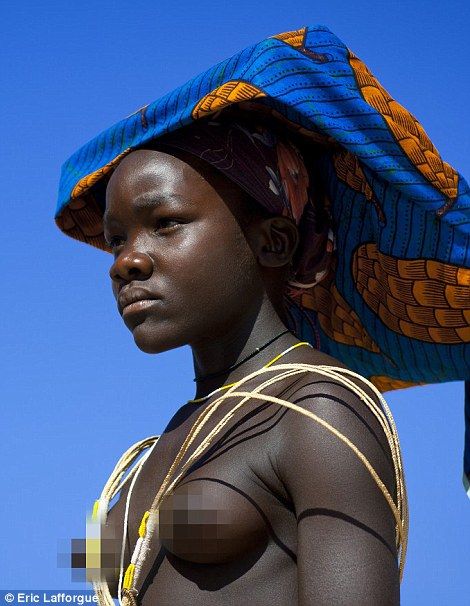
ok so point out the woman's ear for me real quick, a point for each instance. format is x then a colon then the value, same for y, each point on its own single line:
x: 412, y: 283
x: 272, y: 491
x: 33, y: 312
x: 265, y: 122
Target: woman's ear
x: 276, y: 242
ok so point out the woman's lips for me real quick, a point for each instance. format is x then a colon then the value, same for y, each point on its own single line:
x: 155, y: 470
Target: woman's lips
x: 137, y: 306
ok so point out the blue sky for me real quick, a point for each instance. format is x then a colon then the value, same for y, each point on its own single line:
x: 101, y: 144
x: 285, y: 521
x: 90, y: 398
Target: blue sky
x: 75, y: 389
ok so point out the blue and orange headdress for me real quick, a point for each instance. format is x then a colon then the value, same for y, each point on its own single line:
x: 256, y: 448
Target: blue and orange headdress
x: 382, y: 279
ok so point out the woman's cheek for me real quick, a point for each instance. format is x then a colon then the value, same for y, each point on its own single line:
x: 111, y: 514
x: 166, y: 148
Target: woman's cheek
x: 215, y: 260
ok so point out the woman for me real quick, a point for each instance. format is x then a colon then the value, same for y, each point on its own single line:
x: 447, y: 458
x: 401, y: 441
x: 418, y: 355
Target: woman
x: 224, y: 238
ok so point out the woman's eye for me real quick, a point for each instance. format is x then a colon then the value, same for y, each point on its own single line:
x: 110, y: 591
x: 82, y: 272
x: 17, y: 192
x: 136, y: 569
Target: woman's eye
x: 166, y: 224
x: 115, y: 241
x: 161, y: 225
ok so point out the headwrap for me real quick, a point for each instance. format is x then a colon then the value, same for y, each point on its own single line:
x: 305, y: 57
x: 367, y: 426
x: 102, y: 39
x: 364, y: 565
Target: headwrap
x: 382, y: 278
x: 271, y: 169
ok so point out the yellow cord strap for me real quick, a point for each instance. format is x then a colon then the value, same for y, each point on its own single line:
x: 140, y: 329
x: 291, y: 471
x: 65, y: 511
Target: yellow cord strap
x: 383, y: 414
x: 293, y: 369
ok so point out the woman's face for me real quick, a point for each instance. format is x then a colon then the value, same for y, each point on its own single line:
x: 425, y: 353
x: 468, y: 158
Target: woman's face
x: 184, y: 270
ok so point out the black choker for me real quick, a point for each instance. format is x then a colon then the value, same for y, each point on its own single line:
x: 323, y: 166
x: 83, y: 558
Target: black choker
x: 225, y: 370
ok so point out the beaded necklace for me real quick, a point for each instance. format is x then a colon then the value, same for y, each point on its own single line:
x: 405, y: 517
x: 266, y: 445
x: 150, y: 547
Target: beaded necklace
x: 201, y: 399
x: 237, y: 364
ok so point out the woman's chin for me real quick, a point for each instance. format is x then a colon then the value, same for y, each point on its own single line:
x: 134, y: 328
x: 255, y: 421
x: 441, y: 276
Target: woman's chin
x: 151, y: 342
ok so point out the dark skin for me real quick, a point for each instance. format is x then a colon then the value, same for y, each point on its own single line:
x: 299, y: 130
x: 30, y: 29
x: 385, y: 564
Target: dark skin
x: 277, y: 511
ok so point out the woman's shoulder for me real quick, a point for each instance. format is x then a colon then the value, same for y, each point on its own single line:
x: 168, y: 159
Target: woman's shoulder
x: 314, y: 373
x: 332, y: 413
x: 339, y: 469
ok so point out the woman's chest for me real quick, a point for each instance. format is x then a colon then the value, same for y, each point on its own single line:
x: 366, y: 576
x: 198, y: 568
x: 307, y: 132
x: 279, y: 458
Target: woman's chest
x: 228, y: 504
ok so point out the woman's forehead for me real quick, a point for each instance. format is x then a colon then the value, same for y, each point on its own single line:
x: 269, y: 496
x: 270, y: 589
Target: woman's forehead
x: 147, y: 178
x: 145, y: 166
x: 152, y: 171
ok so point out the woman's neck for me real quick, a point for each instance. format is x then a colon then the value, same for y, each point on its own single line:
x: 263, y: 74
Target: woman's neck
x: 239, y: 341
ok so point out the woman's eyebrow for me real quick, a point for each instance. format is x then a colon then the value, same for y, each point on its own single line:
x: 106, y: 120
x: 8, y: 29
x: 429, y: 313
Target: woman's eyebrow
x: 147, y: 201
x: 150, y: 200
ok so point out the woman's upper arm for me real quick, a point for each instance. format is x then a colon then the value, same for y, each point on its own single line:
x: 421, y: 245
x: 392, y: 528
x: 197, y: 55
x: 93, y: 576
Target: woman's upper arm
x: 346, y: 550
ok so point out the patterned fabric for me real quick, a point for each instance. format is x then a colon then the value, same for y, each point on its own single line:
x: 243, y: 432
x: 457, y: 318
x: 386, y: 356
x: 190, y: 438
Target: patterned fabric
x: 394, y: 304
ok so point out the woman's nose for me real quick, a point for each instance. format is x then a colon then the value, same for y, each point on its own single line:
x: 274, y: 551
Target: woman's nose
x: 131, y: 266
